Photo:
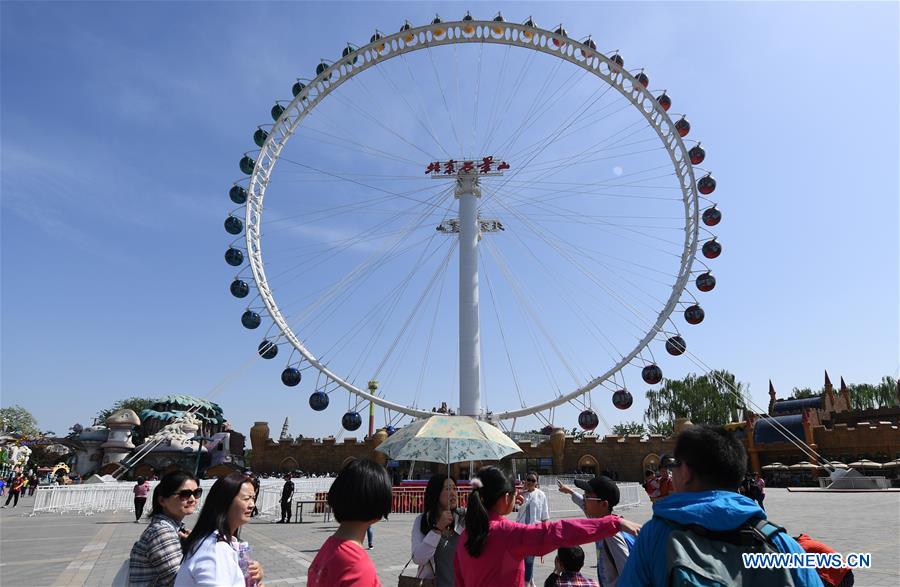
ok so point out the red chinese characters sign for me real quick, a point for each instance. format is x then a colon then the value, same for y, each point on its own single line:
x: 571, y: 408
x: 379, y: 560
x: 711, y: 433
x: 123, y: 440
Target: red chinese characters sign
x: 453, y: 167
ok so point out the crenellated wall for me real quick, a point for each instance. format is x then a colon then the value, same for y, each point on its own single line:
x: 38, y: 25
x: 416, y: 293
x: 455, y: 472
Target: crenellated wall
x: 313, y: 456
x: 626, y: 455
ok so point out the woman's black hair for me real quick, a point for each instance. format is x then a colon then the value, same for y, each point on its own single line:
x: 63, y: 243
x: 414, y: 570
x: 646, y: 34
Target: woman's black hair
x: 214, y: 515
x: 168, y: 486
x: 432, y: 506
x: 140, y: 481
x: 361, y: 492
x: 493, y: 485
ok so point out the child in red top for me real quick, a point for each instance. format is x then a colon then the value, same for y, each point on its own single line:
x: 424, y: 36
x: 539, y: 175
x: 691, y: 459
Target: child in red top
x: 841, y: 577
x: 359, y: 497
x: 492, y: 550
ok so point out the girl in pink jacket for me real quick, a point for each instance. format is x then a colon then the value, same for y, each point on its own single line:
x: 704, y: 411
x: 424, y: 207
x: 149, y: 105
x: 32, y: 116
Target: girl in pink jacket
x: 492, y: 550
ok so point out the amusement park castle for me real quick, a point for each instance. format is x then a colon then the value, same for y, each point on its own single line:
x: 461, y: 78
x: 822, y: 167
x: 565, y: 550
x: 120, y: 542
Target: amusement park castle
x: 824, y: 422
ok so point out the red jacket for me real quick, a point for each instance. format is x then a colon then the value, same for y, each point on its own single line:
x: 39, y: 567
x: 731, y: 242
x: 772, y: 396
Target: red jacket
x: 502, y: 562
x: 832, y: 576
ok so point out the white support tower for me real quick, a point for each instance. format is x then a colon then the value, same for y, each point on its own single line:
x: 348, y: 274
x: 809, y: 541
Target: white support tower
x: 469, y: 226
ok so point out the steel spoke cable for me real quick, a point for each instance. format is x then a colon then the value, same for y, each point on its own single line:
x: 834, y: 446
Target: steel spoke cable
x: 362, y: 267
x: 345, y: 143
x: 444, y: 100
x: 587, y: 273
x: 395, y: 301
x: 572, y: 302
x: 550, y: 101
x: 529, y: 328
x: 505, y: 108
x: 368, y: 115
x: 350, y: 180
x: 477, y: 96
x: 427, y: 354
x: 512, y: 371
x: 427, y: 124
x: 409, y: 229
x: 549, y: 142
x: 536, y: 317
x: 367, y: 268
x: 311, y: 216
x: 577, y: 159
x: 532, y: 112
x: 535, y: 321
x: 408, y: 340
x: 415, y: 309
x: 611, y: 292
x: 608, y: 225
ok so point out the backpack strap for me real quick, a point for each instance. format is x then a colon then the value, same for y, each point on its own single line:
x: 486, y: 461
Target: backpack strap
x: 753, y: 531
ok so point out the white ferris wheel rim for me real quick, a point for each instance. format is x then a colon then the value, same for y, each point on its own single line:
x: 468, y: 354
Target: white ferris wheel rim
x: 424, y: 37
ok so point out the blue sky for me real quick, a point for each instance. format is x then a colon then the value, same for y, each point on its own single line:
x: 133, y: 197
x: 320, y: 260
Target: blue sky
x: 122, y: 124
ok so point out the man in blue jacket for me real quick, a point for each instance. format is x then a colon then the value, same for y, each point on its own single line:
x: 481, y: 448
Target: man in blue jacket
x: 708, y: 467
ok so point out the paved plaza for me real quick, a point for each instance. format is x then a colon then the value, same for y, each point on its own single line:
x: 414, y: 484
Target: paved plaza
x: 51, y: 550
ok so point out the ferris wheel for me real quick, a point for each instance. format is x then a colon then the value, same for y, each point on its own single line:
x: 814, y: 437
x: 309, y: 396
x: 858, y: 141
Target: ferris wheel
x: 549, y: 178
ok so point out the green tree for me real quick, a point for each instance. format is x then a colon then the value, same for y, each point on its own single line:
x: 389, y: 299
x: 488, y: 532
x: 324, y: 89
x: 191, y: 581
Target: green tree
x: 17, y: 420
x: 799, y: 393
x: 630, y: 429
x: 714, y: 398
x: 865, y: 396
x: 662, y: 428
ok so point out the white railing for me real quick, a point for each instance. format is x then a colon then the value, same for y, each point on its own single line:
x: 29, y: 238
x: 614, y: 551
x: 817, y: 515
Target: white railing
x: 112, y: 497
x: 630, y: 494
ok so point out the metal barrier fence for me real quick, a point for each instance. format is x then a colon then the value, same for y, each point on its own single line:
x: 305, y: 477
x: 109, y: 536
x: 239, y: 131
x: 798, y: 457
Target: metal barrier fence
x: 112, y: 497
x: 630, y: 494
x: 95, y: 498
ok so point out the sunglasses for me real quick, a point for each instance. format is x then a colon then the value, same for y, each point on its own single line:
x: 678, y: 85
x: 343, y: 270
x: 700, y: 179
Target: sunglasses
x: 531, y: 481
x: 185, y: 494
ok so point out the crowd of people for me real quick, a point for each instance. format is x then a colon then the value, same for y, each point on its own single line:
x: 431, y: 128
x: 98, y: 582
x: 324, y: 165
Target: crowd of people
x: 706, y: 513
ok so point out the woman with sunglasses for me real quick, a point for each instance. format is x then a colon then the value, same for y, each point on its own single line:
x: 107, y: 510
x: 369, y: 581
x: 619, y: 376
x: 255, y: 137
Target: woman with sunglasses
x: 492, y: 549
x: 156, y: 556
x: 533, y: 510
x: 213, y: 552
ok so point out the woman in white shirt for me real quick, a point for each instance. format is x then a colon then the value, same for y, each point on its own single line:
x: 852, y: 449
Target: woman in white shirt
x: 212, y: 550
x: 534, y: 510
x: 436, y: 530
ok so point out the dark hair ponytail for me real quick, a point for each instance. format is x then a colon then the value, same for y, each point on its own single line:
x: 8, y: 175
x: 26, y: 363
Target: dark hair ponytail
x: 487, y: 488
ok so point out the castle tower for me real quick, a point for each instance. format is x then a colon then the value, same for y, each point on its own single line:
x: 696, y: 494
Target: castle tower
x: 284, y: 429
x: 845, y: 398
x: 829, y: 390
x: 771, y: 398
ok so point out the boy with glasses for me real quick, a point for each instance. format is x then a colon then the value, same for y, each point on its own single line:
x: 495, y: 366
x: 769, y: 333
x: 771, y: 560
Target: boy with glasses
x: 601, y: 495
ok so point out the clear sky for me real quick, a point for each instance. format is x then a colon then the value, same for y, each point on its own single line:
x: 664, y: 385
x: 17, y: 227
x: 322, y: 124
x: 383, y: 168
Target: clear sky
x: 122, y: 125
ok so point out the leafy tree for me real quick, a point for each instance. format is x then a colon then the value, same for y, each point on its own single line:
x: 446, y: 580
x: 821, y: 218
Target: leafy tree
x: 714, y: 398
x: 865, y: 396
x: 630, y: 429
x: 18, y: 420
x: 662, y: 428
x: 799, y: 393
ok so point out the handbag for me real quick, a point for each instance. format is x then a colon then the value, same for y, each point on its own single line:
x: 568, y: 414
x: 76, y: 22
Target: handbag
x: 416, y: 581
